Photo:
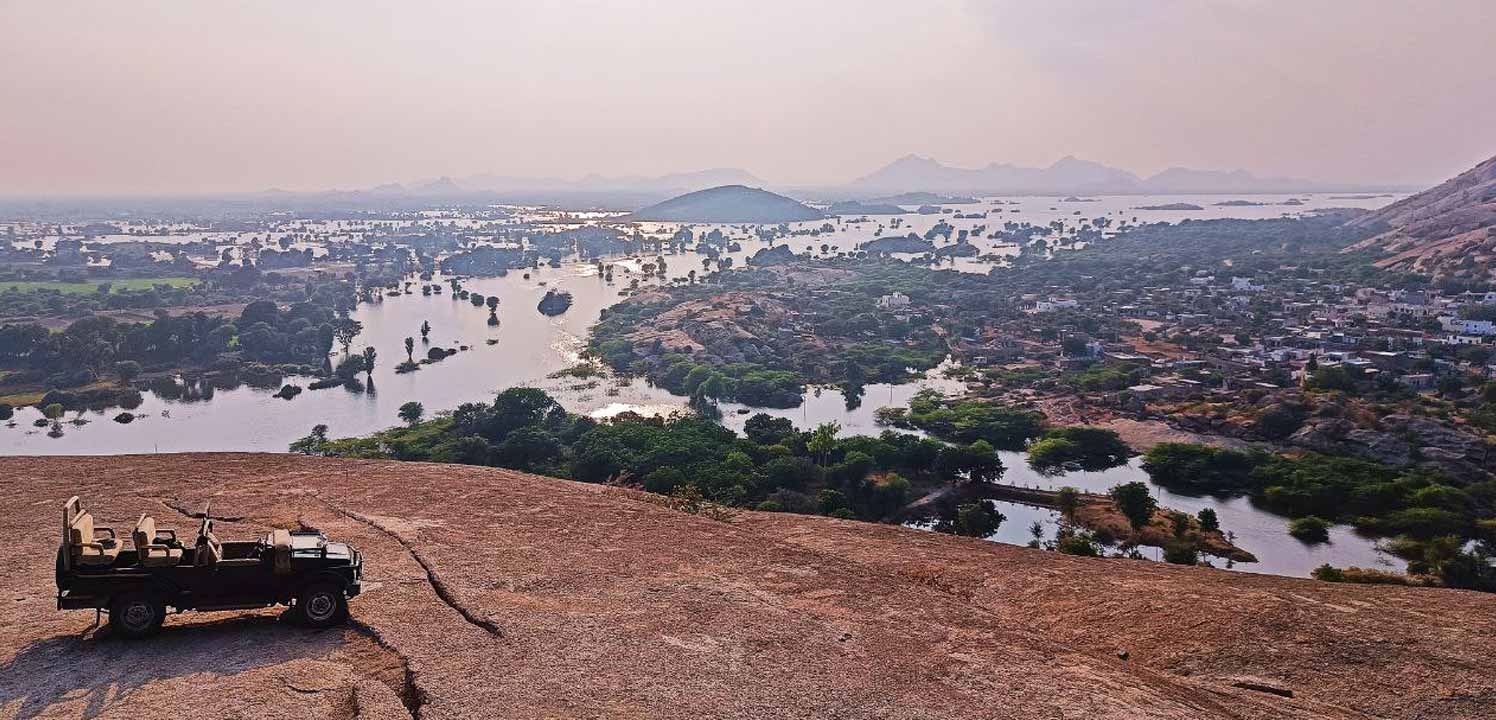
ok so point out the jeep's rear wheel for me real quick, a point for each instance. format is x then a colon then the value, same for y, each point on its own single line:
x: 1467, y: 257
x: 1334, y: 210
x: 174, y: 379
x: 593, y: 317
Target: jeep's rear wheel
x: 136, y: 614
x: 321, y: 605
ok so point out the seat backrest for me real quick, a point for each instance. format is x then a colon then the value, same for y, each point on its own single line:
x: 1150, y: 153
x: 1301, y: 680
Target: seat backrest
x: 145, y: 532
x: 82, y: 532
x: 280, y: 546
x: 70, y: 510
x: 209, y: 552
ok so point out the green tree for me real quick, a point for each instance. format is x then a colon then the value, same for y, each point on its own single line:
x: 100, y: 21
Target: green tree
x: 127, y: 370
x: 1180, y: 552
x: 411, y: 413
x: 345, y: 329
x: 823, y: 441
x: 369, y: 355
x: 1208, y: 520
x: 314, y: 443
x: 1067, y: 499
x: 976, y: 519
x: 410, y: 350
x: 765, y: 429
x: 349, y: 368
x: 978, y: 461
x: 1135, y: 502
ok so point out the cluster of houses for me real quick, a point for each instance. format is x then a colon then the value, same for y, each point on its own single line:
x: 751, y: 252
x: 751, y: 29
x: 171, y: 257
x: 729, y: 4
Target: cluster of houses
x: 1230, y: 334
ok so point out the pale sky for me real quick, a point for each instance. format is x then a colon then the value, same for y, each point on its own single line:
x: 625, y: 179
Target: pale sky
x: 143, y: 97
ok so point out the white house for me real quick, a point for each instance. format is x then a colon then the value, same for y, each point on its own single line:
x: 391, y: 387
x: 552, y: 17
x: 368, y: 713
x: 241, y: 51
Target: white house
x: 893, y: 302
x: 1053, y: 304
x: 1482, y: 328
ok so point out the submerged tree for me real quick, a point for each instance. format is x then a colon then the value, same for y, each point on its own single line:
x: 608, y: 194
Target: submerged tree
x: 412, y: 412
x: 344, y: 330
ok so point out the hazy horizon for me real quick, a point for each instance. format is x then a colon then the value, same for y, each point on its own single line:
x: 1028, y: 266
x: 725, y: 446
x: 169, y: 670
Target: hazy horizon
x: 166, y: 98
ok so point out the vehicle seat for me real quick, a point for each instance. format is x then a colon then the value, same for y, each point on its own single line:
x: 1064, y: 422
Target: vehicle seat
x: 150, y: 552
x: 209, y: 551
x: 88, y: 549
x: 280, y: 547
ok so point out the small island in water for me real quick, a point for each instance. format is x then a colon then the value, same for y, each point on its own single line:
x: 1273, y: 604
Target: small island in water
x: 554, y: 303
x: 1171, y: 206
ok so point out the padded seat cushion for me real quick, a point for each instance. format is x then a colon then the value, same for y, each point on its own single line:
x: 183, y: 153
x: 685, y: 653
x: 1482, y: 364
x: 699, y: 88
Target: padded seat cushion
x: 160, y: 556
x: 150, y: 552
x: 86, y: 549
x: 97, y: 553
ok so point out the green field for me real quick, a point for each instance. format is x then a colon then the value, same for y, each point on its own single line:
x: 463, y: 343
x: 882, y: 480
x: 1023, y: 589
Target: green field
x: 93, y: 286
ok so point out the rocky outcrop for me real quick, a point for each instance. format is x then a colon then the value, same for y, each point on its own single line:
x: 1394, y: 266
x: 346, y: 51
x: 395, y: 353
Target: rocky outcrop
x: 613, y: 606
x: 1446, y: 229
x: 1400, y: 440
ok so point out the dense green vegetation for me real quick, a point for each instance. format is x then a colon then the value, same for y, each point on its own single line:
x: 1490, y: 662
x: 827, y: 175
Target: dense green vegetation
x: 1084, y: 448
x: 775, y: 467
x: 1422, y: 507
x: 98, y: 347
x: 966, y: 421
x: 808, y: 322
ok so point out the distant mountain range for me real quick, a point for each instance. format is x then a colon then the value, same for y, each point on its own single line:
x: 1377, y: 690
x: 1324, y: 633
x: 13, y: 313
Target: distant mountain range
x: 662, y: 185
x: 1070, y: 176
x: 899, y: 182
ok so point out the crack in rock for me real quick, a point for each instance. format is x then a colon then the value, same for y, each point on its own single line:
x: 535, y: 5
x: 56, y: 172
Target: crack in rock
x: 432, y: 578
x: 410, y: 693
x: 181, y: 508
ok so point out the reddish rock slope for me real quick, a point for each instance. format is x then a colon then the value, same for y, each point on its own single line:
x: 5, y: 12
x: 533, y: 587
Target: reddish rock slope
x: 499, y: 594
x: 1448, y: 228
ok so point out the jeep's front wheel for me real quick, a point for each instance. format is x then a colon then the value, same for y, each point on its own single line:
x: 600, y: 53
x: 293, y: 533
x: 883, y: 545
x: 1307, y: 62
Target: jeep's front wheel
x: 321, y: 605
x: 135, y: 615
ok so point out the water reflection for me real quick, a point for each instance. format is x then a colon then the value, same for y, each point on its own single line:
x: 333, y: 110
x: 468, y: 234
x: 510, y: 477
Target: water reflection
x: 238, y: 411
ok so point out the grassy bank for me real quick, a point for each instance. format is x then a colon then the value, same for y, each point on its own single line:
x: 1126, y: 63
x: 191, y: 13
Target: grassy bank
x: 93, y: 286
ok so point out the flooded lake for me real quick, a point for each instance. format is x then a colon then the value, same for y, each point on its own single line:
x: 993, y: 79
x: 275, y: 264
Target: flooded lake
x: 528, y: 347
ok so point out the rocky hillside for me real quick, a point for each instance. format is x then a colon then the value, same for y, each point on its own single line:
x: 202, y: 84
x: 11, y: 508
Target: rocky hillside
x: 729, y: 204
x: 1447, y: 229
x: 497, y: 594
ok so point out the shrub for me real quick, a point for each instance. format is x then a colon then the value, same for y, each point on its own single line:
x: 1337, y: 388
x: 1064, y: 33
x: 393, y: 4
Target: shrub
x: 976, y: 520
x: 1181, y: 553
x: 1365, y: 576
x: 1310, y: 529
x: 1081, y: 544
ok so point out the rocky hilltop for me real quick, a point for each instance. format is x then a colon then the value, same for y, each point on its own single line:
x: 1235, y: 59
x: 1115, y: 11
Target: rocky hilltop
x: 492, y: 593
x: 1446, y: 229
x: 728, y: 204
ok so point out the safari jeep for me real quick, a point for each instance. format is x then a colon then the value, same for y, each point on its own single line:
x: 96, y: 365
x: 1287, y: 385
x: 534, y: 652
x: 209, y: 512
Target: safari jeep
x: 136, y: 582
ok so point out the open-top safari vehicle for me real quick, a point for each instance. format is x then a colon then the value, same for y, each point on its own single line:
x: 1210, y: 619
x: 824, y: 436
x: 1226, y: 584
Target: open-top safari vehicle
x: 136, y: 583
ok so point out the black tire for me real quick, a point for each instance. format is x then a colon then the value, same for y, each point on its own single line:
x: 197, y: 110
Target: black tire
x: 136, y: 614
x: 321, y: 605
